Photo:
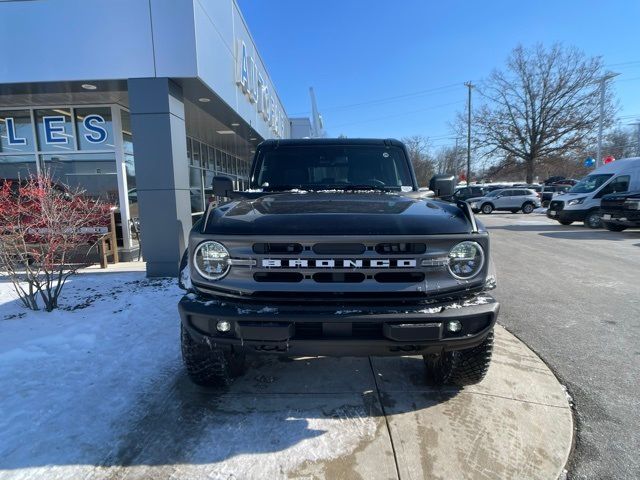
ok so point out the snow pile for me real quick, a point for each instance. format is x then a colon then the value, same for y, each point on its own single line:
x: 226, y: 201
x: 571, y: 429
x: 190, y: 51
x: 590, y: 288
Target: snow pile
x: 567, y: 395
x: 67, y: 375
x: 97, y: 390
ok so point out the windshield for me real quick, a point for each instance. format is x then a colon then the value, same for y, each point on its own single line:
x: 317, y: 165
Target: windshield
x: 590, y: 183
x: 323, y: 167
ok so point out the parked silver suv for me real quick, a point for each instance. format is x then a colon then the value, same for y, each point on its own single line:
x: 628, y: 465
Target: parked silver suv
x: 512, y: 199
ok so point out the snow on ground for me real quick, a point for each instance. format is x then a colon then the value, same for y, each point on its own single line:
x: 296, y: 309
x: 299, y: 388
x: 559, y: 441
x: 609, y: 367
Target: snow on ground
x: 67, y: 375
x: 98, y: 386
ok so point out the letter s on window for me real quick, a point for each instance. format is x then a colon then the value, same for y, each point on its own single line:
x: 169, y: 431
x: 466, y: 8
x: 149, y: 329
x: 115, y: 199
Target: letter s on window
x: 97, y: 134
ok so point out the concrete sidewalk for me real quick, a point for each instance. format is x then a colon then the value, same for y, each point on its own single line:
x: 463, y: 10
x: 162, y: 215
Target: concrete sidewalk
x: 120, y: 267
x: 357, y: 418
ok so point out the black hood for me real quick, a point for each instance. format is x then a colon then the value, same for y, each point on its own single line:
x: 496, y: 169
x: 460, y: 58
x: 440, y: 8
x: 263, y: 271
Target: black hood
x: 336, y: 214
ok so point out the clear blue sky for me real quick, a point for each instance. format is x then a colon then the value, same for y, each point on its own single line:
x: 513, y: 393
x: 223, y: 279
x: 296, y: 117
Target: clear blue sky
x: 362, y: 51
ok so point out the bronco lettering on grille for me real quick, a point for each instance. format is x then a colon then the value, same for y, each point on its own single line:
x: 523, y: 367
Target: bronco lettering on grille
x: 339, y: 263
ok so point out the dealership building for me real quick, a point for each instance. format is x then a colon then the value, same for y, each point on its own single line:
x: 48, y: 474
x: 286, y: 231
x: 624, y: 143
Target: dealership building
x: 138, y: 102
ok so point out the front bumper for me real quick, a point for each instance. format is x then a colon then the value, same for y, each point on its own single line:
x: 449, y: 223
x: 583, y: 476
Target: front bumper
x: 626, y: 217
x: 567, y: 215
x: 340, y: 331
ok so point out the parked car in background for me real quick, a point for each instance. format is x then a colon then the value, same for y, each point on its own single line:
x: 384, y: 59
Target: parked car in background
x: 620, y: 211
x: 465, y: 193
x: 511, y: 199
x: 548, y: 191
x: 582, y: 202
x: 566, y: 181
x: 554, y: 179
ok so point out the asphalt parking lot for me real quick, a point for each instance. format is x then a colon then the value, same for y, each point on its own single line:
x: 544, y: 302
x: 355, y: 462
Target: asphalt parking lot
x: 573, y: 295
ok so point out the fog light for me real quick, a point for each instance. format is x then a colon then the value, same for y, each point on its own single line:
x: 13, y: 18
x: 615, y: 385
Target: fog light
x: 223, y: 326
x: 454, y: 326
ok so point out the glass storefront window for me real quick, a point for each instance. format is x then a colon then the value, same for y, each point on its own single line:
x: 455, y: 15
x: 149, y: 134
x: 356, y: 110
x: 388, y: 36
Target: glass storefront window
x: 95, y: 173
x: 129, y: 163
x: 208, y: 186
x: 14, y: 167
x: 195, y: 152
x: 204, y: 156
x: 196, y: 190
x: 127, y: 136
x: 55, y: 130
x: 16, y: 132
x: 94, y: 128
x: 212, y: 159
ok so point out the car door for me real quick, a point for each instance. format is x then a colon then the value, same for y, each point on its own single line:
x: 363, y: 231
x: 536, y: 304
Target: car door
x: 502, y: 200
x: 462, y: 194
x: 476, y: 192
x: 617, y: 185
x: 518, y: 198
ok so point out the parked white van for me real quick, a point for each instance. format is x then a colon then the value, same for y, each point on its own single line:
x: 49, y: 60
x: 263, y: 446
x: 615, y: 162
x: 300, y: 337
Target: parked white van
x: 582, y: 202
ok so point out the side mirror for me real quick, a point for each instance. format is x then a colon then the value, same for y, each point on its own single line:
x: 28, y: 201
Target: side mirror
x: 443, y: 185
x: 223, y: 186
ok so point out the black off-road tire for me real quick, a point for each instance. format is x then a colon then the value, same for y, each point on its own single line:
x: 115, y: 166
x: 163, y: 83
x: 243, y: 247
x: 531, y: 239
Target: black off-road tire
x: 486, y: 208
x: 210, y: 366
x: 461, y: 367
x: 565, y: 222
x: 528, y: 208
x: 614, y: 227
x: 593, y: 219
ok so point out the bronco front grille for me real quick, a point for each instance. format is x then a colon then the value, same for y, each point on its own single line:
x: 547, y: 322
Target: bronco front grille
x: 335, y: 268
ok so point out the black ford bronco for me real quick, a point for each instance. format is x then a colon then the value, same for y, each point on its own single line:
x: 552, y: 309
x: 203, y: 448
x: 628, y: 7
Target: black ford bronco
x: 334, y: 251
x: 620, y: 211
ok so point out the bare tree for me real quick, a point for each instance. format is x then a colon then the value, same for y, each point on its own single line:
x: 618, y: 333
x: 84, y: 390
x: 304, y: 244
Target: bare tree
x: 451, y: 159
x: 418, y: 149
x: 45, y: 234
x: 620, y: 143
x: 544, y: 104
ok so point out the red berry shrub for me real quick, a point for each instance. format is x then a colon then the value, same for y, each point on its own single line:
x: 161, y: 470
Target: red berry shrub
x: 46, y: 233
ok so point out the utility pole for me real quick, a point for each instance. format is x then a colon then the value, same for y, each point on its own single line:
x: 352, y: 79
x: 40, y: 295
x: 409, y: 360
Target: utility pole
x: 637, y: 125
x: 469, y: 85
x: 603, y: 81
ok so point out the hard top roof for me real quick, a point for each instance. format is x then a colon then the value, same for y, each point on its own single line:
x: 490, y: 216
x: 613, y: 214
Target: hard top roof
x: 303, y: 142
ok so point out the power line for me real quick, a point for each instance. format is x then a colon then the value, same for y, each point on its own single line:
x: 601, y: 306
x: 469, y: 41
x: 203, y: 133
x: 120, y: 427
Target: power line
x: 628, y: 79
x: 632, y: 62
x: 386, y: 99
x: 397, y: 114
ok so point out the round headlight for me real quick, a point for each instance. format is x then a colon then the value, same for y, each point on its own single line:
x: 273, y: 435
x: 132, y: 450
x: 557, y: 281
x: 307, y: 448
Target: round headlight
x: 466, y: 259
x: 211, y: 260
